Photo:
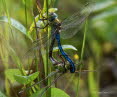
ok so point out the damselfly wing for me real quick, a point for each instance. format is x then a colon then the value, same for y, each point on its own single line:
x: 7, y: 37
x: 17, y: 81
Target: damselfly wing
x: 52, y: 74
x: 74, y: 23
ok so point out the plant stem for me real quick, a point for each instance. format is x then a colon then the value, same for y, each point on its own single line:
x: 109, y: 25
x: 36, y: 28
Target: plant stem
x: 26, y: 12
x: 82, y: 53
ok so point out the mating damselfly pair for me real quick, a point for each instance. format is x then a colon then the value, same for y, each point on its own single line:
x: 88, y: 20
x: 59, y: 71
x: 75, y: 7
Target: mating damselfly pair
x: 49, y: 22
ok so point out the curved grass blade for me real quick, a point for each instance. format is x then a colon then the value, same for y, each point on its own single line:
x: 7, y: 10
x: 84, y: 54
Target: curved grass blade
x: 65, y: 47
x: 15, y: 24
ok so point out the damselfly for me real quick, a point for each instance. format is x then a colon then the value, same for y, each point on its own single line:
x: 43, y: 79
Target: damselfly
x: 65, y: 29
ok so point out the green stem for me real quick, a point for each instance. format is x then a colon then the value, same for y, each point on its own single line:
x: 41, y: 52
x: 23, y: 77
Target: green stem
x: 26, y: 12
x: 7, y: 14
x: 84, y: 40
x: 47, y: 67
x: 82, y: 53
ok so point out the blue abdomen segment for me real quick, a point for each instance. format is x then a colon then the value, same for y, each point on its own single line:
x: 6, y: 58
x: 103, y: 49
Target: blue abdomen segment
x: 72, y: 66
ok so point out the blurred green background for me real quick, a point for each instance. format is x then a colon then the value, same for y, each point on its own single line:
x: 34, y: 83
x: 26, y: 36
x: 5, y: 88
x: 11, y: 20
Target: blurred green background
x: 100, y: 52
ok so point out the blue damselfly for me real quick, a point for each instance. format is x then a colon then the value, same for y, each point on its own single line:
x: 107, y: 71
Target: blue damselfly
x: 65, y: 29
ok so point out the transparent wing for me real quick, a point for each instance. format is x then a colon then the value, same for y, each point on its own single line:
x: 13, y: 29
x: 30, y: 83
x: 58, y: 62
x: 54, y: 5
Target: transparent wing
x: 73, y: 24
x: 38, y: 44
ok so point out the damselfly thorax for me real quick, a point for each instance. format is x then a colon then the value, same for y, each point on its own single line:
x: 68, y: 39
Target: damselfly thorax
x: 55, y: 22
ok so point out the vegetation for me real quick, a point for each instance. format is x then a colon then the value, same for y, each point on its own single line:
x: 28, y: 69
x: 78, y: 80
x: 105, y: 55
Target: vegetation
x: 24, y: 60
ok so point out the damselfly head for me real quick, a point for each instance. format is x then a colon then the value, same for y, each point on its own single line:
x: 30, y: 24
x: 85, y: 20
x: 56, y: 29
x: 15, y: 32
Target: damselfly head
x: 52, y: 16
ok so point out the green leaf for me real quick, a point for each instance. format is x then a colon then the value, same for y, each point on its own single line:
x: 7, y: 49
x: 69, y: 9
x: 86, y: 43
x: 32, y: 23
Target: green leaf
x: 15, y: 24
x: 9, y: 73
x: 104, y: 5
x: 26, y: 79
x: 93, y: 84
x: 55, y: 92
x: 105, y: 15
x: 2, y: 95
x: 49, y: 2
x: 65, y: 47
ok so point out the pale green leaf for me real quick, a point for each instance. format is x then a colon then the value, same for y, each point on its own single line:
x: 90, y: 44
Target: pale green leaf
x: 2, y: 95
x: 65, y: 47
x: 15, y: 24
x: 26, y: 79
x: 103, y: 5
x: 9, y: 73
x: 105, y: 15
x: 55, y: 92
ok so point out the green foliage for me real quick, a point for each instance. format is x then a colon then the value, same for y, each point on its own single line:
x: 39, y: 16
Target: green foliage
x: 15, y: 75
x: 107, y: 19
x: 15, y: 24
x: 26, y: 79
x: 101, y: 29
x: 9, y: 73
x: 55, y: 92
x: 105, y: 4
x: 93, y: 88
x: 2, y: 95
x: 65, y: 47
